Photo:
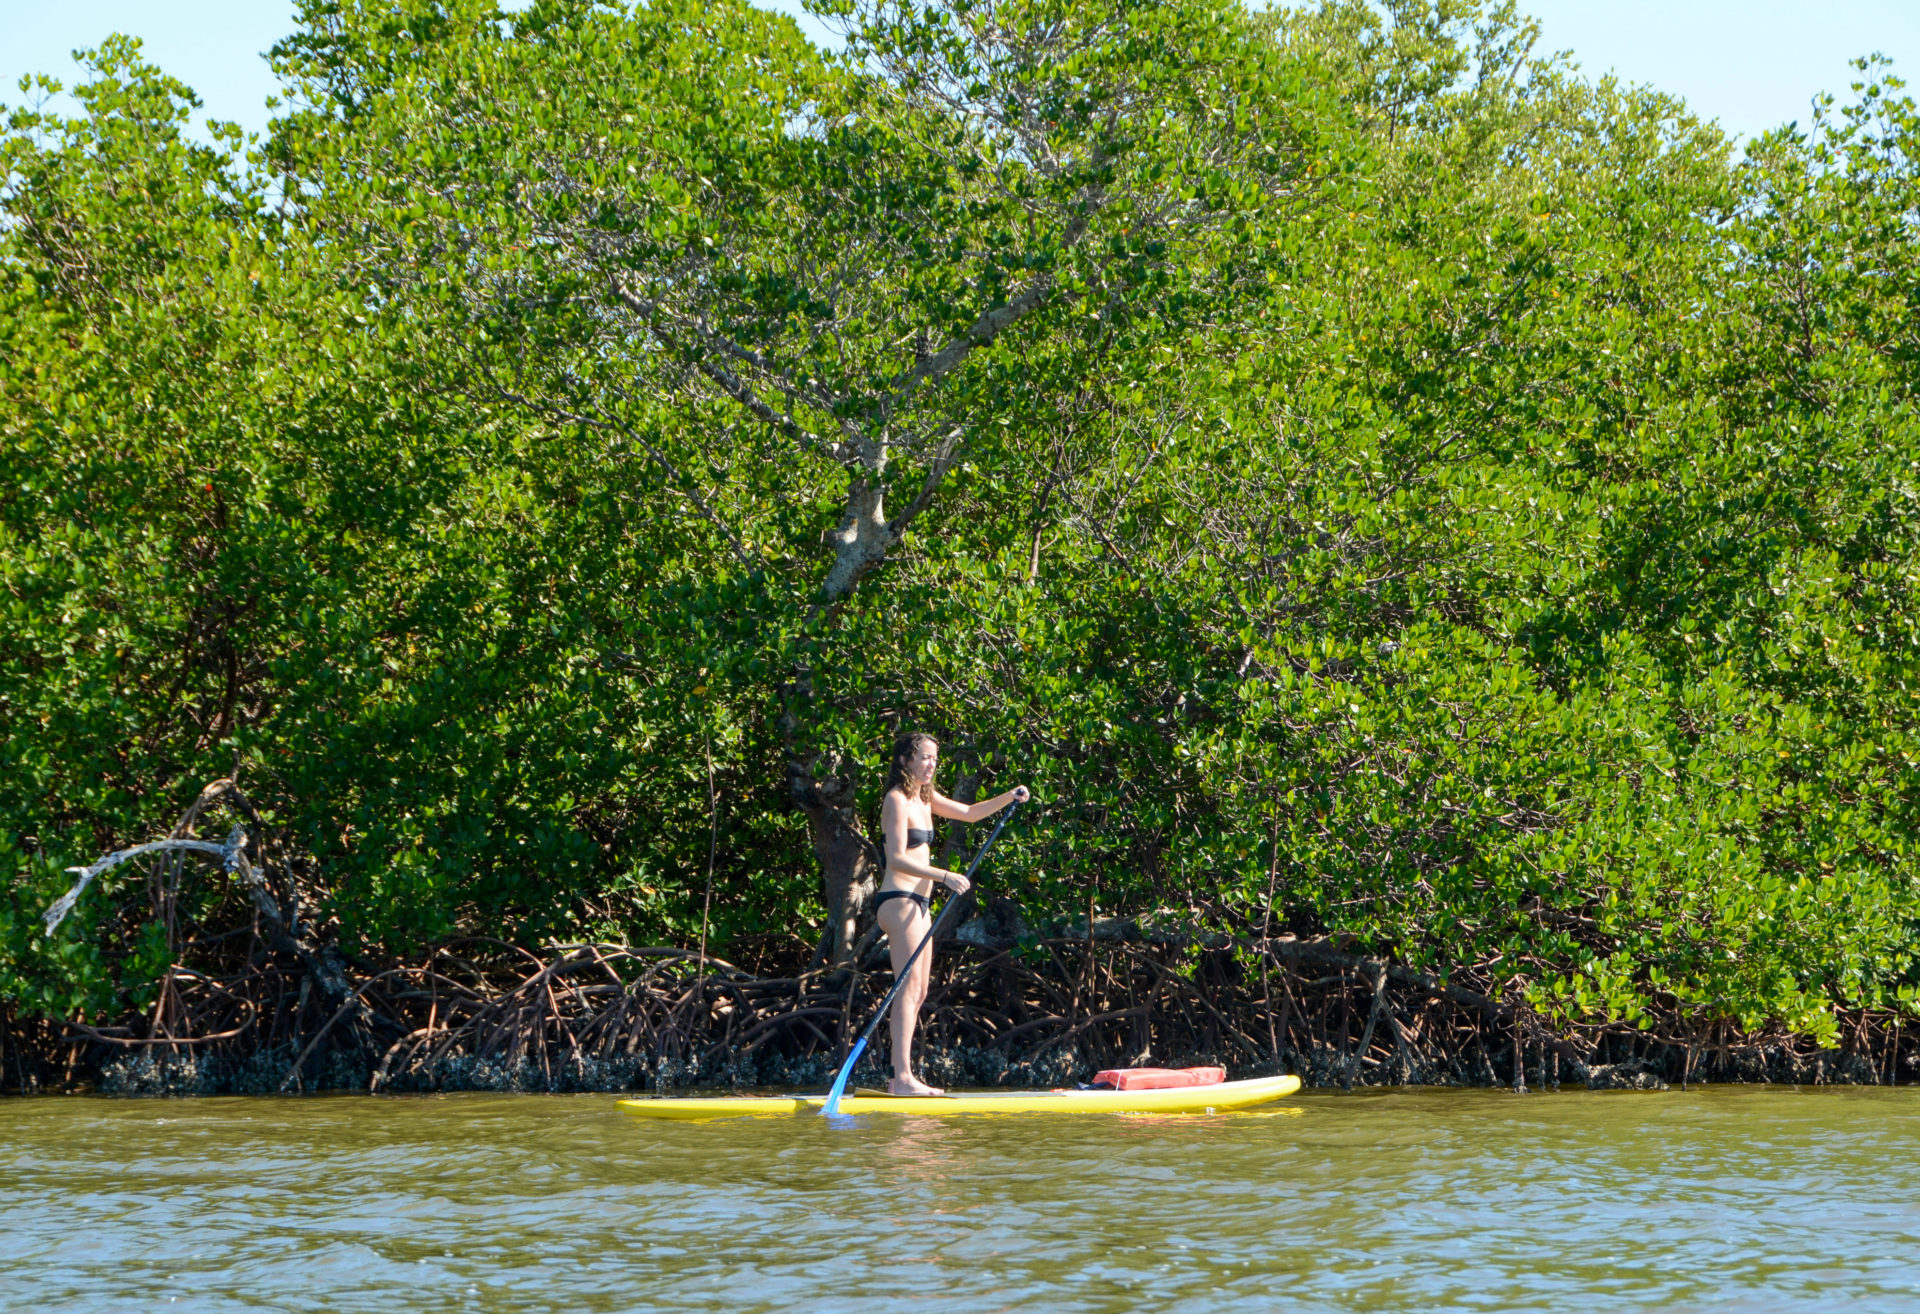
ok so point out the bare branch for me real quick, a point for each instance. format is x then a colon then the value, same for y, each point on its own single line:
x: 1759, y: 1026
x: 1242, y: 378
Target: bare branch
x: 996, y: 321
x: 654, y: 311
x: 232, y: 855
x: 936, y: 472
x: 735, y: 386
x: 980, y: 333
x: 678, y: 482
x: 738, y: 389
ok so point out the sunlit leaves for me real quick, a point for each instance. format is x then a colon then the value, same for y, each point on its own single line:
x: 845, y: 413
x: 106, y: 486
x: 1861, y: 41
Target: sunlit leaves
x: 1452, y: 496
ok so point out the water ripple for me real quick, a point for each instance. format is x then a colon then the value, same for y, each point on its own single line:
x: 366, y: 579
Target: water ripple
x: 1748, y: 1199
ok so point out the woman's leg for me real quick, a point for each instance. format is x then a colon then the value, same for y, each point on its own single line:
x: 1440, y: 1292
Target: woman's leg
x: 906, y: 924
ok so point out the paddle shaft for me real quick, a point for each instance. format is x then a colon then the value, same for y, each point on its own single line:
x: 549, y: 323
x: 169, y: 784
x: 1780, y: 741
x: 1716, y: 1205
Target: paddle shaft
x: 906, y: 970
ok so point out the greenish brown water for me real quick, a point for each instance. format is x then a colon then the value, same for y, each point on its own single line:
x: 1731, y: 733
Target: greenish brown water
x: 1732, y: 1198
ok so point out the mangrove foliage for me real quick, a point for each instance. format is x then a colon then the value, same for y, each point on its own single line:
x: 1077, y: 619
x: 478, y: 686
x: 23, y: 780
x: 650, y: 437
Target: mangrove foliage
x: 1382, y: 488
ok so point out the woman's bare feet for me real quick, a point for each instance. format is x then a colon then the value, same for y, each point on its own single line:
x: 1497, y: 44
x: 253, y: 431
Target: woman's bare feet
x: 911, y: 1086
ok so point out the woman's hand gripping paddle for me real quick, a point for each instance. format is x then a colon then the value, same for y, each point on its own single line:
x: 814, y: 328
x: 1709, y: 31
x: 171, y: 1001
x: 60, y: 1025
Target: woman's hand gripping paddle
x: 860, y: 1046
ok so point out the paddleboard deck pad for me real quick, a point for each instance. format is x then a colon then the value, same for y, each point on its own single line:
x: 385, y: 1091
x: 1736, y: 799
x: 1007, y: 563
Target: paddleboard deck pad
x: 1222, y: 1098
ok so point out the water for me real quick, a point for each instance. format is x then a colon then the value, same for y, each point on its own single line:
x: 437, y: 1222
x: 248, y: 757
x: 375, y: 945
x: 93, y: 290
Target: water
x: 1732, y: 1198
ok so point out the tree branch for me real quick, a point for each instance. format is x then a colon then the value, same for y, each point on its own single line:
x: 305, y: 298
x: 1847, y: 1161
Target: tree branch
x: 981, y: 332
x: 736, y: 387
x: 679, y: 482
x: 936, y: 472
x: 993, y: 322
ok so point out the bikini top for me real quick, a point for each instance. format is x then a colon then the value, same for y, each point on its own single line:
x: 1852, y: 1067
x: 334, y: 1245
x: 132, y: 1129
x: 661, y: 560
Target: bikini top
x: 915, y: 838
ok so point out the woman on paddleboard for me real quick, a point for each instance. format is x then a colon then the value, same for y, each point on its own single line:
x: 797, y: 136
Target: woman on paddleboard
x: 903, y: 906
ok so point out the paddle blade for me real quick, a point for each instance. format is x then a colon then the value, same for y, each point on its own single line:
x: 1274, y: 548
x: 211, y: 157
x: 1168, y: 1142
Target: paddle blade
x: 832, y: 1105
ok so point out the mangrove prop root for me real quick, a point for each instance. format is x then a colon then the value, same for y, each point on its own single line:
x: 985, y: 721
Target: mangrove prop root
x: 265, y: 1005
x: 604, y: 1016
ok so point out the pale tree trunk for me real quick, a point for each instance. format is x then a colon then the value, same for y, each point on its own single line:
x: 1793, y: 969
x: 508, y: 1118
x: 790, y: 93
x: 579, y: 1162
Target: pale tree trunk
x: 862, y: 539
x: 825, y: 786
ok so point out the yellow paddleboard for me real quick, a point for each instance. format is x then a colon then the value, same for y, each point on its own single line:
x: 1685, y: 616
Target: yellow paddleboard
x: 1222, y: 1098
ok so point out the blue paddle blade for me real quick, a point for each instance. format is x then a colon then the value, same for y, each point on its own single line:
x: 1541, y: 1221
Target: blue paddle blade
x: 840, y: 1082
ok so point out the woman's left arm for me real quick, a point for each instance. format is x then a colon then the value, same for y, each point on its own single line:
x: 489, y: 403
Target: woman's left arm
x: 955, y: 811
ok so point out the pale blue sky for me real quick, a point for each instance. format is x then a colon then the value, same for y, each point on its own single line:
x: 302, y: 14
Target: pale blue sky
x: 1752, y: 64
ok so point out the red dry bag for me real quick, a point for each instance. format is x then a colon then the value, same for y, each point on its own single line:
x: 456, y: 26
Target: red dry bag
x: 1159, y: 1078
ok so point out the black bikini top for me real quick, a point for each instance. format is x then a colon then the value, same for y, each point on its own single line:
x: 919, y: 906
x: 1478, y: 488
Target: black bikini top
x: 915, y: 838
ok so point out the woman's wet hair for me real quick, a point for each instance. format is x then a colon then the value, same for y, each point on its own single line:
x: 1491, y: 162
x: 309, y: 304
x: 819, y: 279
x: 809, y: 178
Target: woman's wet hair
x: 900, y: 776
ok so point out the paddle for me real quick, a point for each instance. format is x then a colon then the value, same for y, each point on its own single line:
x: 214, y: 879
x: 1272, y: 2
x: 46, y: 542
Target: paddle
x: 900, y: 977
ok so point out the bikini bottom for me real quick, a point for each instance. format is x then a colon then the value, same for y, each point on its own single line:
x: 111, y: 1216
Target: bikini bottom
x: 925, y: 903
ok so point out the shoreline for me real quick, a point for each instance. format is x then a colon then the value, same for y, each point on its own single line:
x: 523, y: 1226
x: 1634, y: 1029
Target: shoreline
x: 1050, y: 1012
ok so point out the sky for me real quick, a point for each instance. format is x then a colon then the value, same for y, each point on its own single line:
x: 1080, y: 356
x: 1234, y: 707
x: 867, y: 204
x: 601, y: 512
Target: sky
x: 1751, y: 64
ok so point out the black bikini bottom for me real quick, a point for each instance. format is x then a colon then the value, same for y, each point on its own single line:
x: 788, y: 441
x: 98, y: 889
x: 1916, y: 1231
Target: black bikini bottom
x: 921, y: 899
